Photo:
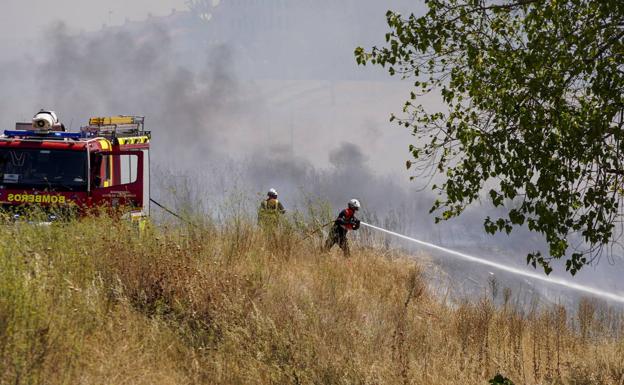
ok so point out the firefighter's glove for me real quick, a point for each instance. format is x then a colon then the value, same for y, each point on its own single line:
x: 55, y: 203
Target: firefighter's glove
x: 356, y: 223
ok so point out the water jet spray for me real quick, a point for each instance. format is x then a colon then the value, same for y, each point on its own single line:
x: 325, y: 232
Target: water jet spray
x: 509, y: 269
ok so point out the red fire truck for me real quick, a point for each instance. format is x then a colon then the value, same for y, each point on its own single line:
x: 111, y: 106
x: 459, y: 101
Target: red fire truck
x: 106, y: 164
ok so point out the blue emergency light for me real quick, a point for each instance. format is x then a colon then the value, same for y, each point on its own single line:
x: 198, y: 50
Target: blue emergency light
x: 44, y: 135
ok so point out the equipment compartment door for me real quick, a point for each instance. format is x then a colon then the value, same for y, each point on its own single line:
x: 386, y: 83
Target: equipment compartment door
x: 125, y: 185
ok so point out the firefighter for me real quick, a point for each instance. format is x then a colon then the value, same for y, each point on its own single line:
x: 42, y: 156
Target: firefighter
x: 346, y: 221
x: 270, y: 210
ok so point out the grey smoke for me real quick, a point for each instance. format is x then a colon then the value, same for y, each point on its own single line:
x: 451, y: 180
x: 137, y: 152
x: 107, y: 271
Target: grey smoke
x: 347, y: 155
x: 116, y: 71
x: 238, y: 113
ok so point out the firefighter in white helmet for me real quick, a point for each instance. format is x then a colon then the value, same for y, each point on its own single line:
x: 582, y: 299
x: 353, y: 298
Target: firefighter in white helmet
x: 345, y: 222
x: 270, y: 210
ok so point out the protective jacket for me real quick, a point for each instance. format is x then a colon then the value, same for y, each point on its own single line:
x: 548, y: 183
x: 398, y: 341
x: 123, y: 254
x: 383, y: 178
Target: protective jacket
x: 347, y: 220
x: 272, y: 204
x: 269, y: 212
x: 338, y: 234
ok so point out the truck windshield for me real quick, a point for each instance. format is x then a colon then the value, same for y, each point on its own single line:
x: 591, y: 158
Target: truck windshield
x: 56, y: 170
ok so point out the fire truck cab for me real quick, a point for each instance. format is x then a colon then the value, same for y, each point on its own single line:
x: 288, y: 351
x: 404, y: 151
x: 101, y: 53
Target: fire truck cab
x: 106, y: 164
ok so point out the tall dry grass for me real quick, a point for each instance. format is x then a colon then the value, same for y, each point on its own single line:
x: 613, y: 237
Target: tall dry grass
x: 97, y: 302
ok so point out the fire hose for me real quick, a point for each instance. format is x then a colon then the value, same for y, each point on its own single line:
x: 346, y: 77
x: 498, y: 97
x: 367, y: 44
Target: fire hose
x: 317, y: 230
x: 171, y: 212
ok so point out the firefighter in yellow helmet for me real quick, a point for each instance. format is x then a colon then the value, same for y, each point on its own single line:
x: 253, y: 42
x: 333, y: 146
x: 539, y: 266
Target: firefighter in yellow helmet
x: 270, y: 210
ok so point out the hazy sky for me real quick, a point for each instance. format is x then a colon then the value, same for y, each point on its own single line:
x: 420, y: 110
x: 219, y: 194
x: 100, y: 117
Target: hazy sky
x: 27, y: 19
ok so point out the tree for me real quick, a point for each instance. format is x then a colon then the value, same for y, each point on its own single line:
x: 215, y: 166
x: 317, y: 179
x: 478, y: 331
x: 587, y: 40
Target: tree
x: 533, y: 93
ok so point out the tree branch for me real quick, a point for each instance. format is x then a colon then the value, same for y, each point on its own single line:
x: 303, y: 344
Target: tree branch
x: 614, y: 171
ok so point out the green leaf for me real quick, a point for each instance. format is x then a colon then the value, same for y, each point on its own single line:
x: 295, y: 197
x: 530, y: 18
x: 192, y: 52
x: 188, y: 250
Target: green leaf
x: 534, y: 99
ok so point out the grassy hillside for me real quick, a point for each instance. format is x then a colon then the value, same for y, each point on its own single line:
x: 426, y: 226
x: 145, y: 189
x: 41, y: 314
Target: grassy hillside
x: 93, y: 303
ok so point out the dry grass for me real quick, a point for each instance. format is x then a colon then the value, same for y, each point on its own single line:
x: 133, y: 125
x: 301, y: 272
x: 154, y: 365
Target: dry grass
x: 95, y: 302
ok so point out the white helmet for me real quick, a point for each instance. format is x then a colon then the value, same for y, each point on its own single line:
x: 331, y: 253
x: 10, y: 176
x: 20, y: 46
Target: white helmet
x: 354, y: 204
x: 272, y: 193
